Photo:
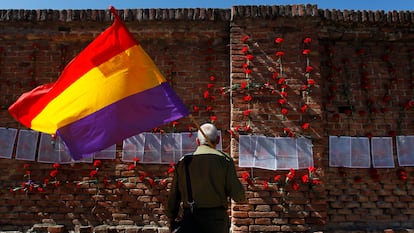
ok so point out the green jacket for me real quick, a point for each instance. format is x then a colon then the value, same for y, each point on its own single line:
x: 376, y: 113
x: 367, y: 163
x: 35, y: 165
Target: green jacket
x: 213, y: 179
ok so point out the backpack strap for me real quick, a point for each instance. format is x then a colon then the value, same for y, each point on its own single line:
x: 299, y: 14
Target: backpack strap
x: 190, y: 201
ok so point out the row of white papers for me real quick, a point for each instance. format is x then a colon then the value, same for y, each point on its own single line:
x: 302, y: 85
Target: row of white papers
x: 275, y: 153
x: 154, y: 148
x: 357, y: 152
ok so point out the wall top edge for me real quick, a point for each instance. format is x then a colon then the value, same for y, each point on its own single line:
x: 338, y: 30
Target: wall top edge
x: 206, y: 14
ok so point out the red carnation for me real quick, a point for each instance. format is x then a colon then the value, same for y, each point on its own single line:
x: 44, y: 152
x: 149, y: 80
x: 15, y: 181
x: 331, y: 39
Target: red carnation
x: 279, y: 40
x: 97, y: 163
x: 279, y: 54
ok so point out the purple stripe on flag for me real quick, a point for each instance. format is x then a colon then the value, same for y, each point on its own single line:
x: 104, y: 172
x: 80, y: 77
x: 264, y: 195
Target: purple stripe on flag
x: 123, y: 119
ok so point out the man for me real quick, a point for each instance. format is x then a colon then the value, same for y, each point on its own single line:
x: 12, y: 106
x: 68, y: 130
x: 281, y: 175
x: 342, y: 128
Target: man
x: 213, y: 180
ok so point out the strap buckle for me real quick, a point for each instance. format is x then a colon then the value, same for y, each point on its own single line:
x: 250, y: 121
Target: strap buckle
x: 191, y: 204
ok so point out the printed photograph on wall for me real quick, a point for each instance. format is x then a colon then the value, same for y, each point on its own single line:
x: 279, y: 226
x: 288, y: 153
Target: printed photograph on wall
x: 286, y: 154
x: 152, y: 148
x: 170, y: 148
x: 382, y: 152
x: 7, y: 139
x: 247, y: 146
x: 405, y: 150
x: 26, y: 145
x: 133, y: 148
x: 264, y: 156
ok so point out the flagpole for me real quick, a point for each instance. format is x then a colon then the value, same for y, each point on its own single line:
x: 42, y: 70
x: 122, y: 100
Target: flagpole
x: 202, y: 132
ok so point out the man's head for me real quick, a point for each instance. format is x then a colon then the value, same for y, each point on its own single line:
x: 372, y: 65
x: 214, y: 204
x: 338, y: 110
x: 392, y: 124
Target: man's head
x: 210, y: 132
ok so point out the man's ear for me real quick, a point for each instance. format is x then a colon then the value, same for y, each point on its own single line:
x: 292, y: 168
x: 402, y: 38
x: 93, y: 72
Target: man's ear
x: 217, y: 140
x: 198, y: 141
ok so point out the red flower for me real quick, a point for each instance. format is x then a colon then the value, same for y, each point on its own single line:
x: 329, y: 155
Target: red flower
x: 247, y: 128
x: 281, y: 81
x: 136, y: 160
x: 56, y: 165
x: 247, y: 112
x: 171, y: 170
x: 311, y: 82
x: 93, y: 173
x: 245, y: 49
x: 282, y: 101
x: 210, y: 85
x: 275, y: 75
x: 26, y: 165
x: 278, y: 40
x: 196, y: 109
x: 277, y: 178
x: 311, y: 169
x: 106, y: 182
x: 305, y: 126
x: 402, y: 174
x: 175, y: 123
x: 283, y: 94
x: 307, y: 40
x: 248, y: 98
x: 409, y: 105
x: 309, y: 69
x: 306, y: 51
x: 248, y: 71
x: 246, y: 177
x: 316, y: 181
x: 53, y: 173
x: 305, y: 178
x: 295, y: 185
x: 265, y: 184
x: 291, y: 175
x: 213, y: 118
x: 206, y: 94
x: 284, y: 111
x: 97, y: 163
x: 279, y: 54
x: 245, y: 38
x: 304, y: 108
x: 212, y: 78
x: 131, y: 167
x: 249, y: 57
x: 243, y: 85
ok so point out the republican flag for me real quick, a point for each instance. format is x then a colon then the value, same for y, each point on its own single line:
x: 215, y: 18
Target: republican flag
x: 110, y: 91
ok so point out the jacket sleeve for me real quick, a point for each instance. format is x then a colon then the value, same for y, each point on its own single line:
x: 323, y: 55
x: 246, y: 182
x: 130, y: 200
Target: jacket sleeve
x: 174, y: 198
x: 234, y: 187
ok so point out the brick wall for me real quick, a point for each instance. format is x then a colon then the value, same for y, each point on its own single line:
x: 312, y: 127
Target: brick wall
x: 190, y: 46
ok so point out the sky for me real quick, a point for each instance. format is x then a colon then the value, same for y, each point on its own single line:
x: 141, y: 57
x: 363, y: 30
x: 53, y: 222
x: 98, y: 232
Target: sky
x: 386, y: 5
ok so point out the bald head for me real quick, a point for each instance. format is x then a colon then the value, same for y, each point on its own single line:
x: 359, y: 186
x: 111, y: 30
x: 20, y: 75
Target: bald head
x: 210, y: 132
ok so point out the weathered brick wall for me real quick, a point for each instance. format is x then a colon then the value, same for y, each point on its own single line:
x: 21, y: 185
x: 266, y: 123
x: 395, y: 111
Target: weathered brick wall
x: 35, y: 47
x: 190, y: 46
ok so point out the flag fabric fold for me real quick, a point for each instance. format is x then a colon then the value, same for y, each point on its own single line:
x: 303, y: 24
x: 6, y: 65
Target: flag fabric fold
x: 110, y: 91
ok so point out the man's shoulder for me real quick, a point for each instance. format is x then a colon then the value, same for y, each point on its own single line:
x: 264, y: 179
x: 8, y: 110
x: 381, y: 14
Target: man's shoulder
x: 216, y: 155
